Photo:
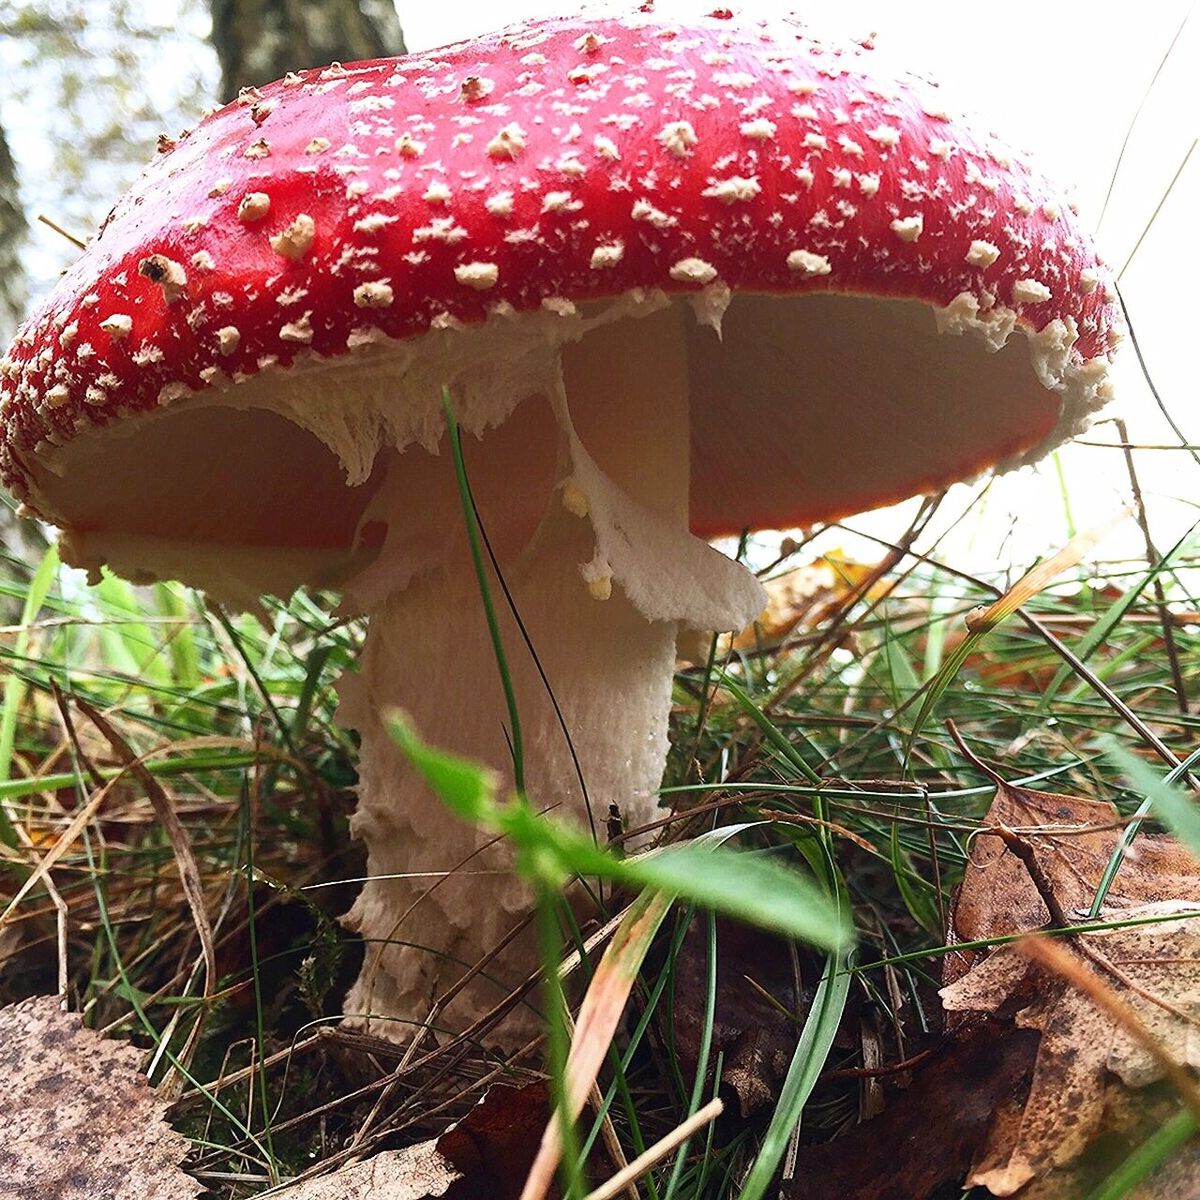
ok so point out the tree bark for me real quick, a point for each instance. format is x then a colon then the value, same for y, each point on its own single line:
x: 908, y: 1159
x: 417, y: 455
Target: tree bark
x: 260, y: 40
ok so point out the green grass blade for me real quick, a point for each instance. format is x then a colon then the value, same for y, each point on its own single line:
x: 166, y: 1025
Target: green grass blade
x: 184, y: 764
x: 129, y: 643
x: 461, y: 784
x: 14, y: 685
x: 181, y: 646
x: 1148, y: 1157
x: 706, y: 1032
x: 752, y: 889
x: 472, y: 521
x: 816, y: 1039
x: 314, y: 667
x: 918, y: 896
x: 771, y: 732
x: 1176, y: 810
x: 1101, y: 632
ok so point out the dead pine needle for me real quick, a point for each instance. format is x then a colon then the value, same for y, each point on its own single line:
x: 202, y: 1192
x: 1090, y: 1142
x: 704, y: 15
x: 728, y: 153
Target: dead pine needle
x: 74, y: 239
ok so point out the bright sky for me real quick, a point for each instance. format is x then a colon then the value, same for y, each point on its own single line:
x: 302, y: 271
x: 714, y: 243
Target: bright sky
x: 1056, y: 78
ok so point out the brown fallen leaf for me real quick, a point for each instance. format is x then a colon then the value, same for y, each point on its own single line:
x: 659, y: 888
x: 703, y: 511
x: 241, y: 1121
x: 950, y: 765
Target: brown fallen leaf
x: 929, y: 1132
x: 485, y: 1156
x: 1071, y: 841
x: 801, y: 598
x: 80, y: 1119
x: 1080, y: 1045
x: 414, y: 1173
x: 1051, y: 851
x: 1034, y: 1084
x: 1129, y: 1119
x: 494, y: 1145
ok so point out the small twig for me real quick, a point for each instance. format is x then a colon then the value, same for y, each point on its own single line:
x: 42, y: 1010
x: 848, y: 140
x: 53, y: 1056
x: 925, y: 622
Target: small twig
x: 1013, y: 841
x: 657, y: 1152
x: 906, y: 1064
x: 1154, y: 559
x: 1018, y: 846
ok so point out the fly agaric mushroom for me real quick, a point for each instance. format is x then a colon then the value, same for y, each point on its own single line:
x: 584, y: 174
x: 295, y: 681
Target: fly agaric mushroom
x: 618, y: 242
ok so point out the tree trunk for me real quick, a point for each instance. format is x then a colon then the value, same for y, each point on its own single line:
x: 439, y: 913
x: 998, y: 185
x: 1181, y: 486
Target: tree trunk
x: 260, y: 40
x: 12, y: 234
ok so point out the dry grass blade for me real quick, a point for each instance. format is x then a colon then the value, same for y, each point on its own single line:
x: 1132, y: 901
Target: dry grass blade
x: 598, y: 1017
x: 64, y: 842
x: 181, y: 844
x: 1035, y: 581
x: 640, y: 1165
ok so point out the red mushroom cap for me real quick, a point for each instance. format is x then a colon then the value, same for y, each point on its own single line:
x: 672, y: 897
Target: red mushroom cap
x: 575, y: 160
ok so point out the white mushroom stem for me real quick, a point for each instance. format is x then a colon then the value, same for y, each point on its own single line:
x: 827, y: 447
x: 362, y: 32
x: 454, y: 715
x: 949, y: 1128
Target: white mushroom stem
x: 432, y: 906
x: 576, y: 432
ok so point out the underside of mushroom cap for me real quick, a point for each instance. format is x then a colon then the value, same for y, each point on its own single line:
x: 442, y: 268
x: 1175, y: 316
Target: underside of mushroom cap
x: 325, y: 254
x: 801, y: 409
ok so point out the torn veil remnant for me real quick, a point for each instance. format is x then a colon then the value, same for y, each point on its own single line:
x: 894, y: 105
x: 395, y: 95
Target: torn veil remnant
x: 619, y: 241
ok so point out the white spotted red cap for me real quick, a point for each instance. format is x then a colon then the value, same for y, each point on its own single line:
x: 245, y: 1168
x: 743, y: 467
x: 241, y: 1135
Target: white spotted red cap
x: 574, y: 158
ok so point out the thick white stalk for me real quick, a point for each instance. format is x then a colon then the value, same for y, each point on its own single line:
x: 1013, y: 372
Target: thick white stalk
x: 436, y: 900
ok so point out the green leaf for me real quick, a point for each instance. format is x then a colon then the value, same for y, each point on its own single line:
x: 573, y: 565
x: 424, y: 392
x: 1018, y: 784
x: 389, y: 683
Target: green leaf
x: 741, y: 885
x: 746, y: 886
x: 463, y: 785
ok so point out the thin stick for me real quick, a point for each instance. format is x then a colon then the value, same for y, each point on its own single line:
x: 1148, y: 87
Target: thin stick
x: 78, y: 242
x: 660, y: 1149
